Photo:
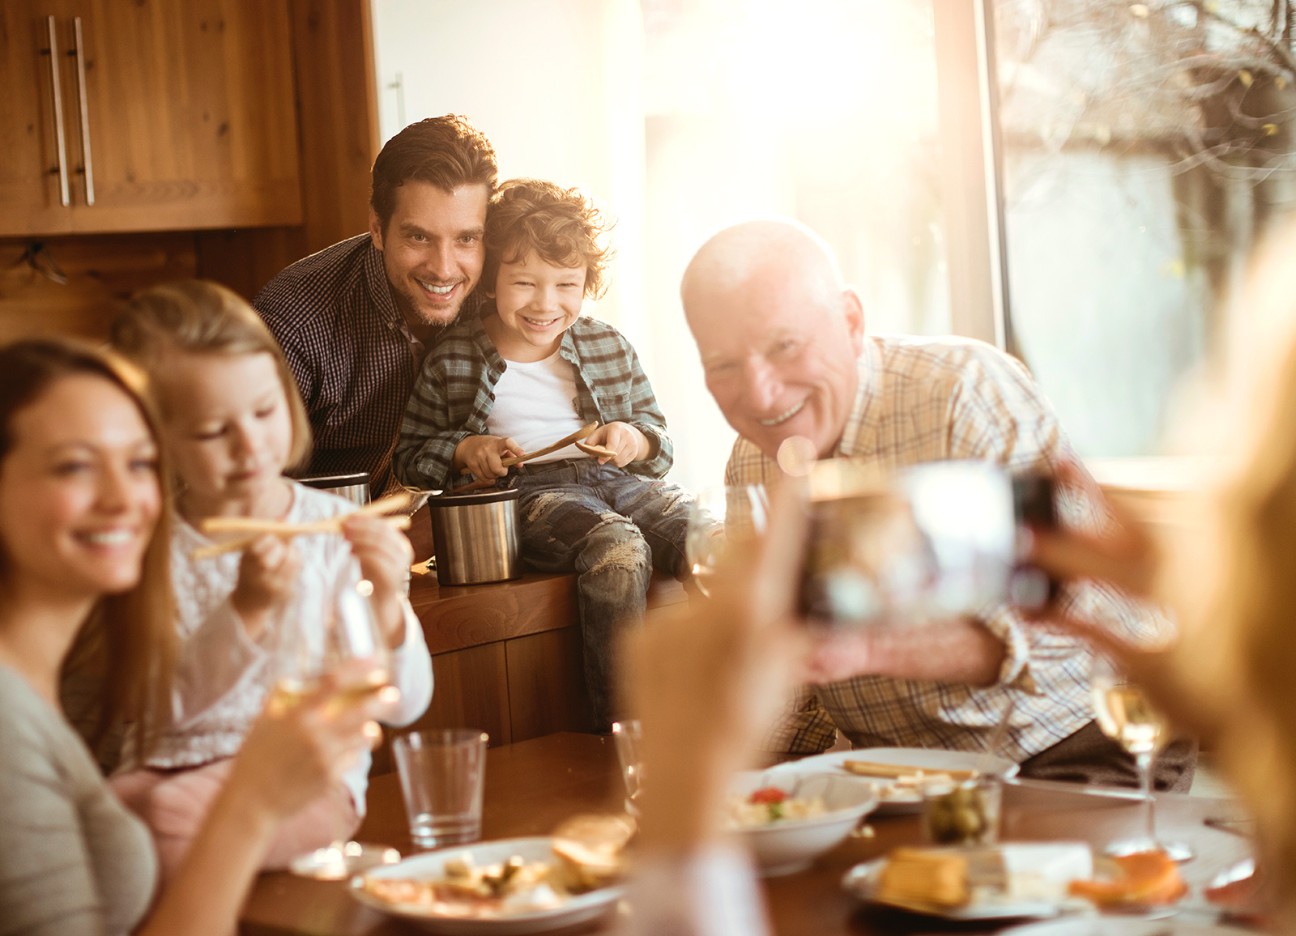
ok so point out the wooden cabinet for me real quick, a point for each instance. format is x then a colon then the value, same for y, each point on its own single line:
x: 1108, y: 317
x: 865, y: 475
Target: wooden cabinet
x: 151, y: 115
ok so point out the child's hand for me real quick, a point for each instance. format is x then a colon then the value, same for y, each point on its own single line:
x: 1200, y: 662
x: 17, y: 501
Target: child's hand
x: 267, y: 573
x: 628, y: 442
x: 482, y: 455
x: 384, y: 555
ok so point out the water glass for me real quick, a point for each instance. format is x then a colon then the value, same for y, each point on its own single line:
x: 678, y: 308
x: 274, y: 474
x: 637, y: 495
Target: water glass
x: 442, y: 774
x: 629, y: 744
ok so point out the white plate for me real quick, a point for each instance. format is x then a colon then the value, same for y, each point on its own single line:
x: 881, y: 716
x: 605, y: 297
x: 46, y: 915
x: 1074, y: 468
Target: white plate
x: 569, y: 912
x: 862, y: 881
x: 931, y: 759
x: 1124, y: 926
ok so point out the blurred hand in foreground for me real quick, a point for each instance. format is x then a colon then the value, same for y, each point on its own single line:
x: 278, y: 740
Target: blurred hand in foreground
x: 707, y: 682
x: 300, y: 748
x: 1125, y: 556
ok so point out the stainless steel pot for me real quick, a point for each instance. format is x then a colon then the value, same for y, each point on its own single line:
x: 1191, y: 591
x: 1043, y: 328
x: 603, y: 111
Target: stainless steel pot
x: 354, y: 487
x: 475, y: 537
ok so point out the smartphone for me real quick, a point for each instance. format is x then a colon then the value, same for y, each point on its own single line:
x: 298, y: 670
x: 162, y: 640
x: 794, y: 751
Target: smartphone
x: 1034, y: 507
x: 928, y: 542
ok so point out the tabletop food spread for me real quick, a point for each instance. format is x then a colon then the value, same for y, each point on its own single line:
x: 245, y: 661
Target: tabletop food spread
x: 1048, y: 866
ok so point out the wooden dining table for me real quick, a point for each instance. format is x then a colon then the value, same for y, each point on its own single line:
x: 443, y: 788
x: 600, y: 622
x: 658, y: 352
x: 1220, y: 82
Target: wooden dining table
x: 534, y: 785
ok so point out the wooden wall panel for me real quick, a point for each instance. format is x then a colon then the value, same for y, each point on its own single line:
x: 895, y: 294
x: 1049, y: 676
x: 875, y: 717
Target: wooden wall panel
x: 338, y: 129
x: 101, y: 272
x: 471, y: 692
x: 546, y: 684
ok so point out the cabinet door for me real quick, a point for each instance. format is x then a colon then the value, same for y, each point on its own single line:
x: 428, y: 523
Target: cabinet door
x: 30, y: 190
x: 177, y: 115
x: 191, y: 114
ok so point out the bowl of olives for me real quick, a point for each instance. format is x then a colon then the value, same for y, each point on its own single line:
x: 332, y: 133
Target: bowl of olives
x: 964, y: 812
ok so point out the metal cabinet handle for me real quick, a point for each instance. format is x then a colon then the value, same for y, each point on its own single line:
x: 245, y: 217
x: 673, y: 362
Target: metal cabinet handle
x: 65, y: 195
x: 83, y: 100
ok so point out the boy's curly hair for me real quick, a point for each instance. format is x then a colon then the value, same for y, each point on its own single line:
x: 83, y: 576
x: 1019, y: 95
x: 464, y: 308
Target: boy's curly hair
x: 560, y: 225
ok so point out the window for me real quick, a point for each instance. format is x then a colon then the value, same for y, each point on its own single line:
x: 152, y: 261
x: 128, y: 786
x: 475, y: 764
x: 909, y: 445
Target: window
x: 825, y: 110
x: 1144, y: 147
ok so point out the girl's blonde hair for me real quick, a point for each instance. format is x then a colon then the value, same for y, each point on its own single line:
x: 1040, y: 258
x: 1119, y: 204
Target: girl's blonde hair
x: 202, y: 317
x: 120, y: 667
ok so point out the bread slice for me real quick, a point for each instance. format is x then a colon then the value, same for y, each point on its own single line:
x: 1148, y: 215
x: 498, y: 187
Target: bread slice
x: 924, y: 875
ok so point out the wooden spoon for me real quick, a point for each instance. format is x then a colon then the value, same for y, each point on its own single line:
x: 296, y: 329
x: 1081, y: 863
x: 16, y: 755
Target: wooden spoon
x: 582, y: 432
x: 595, y: 451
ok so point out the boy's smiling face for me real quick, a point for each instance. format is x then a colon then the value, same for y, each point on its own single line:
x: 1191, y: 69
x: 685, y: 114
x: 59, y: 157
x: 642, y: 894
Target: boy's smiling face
x: 536, y: 302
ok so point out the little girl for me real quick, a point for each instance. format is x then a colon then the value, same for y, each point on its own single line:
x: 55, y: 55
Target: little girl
x: 232, y: 422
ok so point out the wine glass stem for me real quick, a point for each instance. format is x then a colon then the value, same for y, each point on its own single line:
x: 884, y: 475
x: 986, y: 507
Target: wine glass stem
x: 1144, y: 763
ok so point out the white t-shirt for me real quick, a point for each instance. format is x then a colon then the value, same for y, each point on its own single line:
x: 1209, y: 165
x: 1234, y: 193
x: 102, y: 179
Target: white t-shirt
x: 535, y: 404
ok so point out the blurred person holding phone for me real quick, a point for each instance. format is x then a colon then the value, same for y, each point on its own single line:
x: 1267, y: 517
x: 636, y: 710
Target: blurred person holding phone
x: 782, y: 343
x: 1227, y: 573
x: 84, y: 527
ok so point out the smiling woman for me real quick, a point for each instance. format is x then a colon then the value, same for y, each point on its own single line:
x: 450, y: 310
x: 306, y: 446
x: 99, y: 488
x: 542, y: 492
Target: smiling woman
x: 80, y: 491
x: 83, y: 527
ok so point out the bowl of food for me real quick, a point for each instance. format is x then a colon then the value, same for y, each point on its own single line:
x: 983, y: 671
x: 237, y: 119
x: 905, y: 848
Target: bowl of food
x: 789, y: 820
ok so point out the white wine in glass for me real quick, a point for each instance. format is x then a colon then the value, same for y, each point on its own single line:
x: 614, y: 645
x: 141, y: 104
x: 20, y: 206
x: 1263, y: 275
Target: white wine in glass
x: 1127, y: 717
x: 346, y: 648
x: 718, y: 517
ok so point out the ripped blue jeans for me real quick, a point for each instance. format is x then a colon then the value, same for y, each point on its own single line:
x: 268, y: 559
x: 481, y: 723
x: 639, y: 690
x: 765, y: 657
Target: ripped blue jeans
x: 612, y: 528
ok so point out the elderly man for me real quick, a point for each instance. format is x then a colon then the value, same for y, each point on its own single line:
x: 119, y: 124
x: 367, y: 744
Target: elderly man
x: 355, y: 320
x: 782, y: 344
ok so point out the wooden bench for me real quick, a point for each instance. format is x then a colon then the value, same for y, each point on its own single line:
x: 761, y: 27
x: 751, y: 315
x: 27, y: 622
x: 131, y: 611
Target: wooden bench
x: 506, y: 656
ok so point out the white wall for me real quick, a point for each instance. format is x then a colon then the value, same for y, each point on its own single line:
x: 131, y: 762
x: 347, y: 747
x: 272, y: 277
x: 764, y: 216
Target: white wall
x: 555, y: 85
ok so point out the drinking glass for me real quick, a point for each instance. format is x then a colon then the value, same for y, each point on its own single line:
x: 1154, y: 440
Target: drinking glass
x: 442, y: 776
x: 719, y: 517
x: 629, y: 741
x: 346, y: 644
x: 1128, y: 718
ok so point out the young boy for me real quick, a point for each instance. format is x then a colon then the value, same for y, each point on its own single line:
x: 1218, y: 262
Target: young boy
x: 530, y: 370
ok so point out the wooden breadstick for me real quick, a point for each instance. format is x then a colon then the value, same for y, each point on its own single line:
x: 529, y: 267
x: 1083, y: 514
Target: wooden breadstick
x: 287, y: 531
x: 582, y: 432
x: 897, y: 771
x: 392, y: 503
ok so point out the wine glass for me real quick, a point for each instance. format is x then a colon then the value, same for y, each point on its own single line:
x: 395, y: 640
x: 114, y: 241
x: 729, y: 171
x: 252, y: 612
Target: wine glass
x: 345, y: 644
x: 718, y: 517
x: 1127, y: 717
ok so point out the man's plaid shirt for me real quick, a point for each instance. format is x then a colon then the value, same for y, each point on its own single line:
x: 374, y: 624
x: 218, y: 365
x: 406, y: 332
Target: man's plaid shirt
x: 921, y: 400
x: 348, y: 347
x: 456, y: 391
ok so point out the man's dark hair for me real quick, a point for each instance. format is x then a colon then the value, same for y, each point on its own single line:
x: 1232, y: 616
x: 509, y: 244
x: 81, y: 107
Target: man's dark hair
x: 445, y: 151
